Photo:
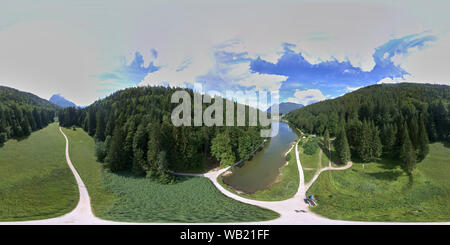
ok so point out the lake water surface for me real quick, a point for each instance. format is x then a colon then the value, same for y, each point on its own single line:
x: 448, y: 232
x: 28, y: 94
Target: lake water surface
x: 263, y: 169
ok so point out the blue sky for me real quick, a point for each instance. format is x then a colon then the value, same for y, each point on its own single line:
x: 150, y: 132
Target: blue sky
x: 307, y: 50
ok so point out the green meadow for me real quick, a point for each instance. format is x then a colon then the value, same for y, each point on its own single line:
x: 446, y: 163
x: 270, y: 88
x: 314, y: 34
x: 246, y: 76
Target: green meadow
x: 35, y: 180
x: 122, y: 197
x: 381, y: 191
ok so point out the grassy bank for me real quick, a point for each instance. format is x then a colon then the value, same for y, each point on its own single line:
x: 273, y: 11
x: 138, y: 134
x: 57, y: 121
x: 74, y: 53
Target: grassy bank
x: 122, y: 197
x: 35, y: 181
x: 380, y: 191
x: 285, y: 187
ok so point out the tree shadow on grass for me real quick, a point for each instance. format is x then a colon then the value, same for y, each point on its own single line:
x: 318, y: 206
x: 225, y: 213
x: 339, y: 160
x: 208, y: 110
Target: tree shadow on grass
x: 388, y: 163
x: 177, y: 178
x: 387, y: 175
x: 334, y: 155
x: 446, y: 144
x: 20, y: 138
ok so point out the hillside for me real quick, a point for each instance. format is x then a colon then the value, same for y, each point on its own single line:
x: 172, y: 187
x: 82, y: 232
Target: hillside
x: 61, y: 101
x: 285, y: 107
x: 22, y: 112
x: 134, y: 132
x: 396, y: 120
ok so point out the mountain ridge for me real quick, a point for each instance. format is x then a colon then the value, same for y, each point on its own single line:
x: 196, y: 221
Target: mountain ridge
x: 59, y: 100
x: 285, y: 107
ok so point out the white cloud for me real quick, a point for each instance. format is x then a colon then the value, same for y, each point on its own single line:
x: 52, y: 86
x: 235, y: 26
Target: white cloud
x: 390, y: 80
x: 263, y: 81
x: 350, y: 89
x: 51, y: 47
x: 427, y: 65
x: 306, y: 97
x: 431, y: 64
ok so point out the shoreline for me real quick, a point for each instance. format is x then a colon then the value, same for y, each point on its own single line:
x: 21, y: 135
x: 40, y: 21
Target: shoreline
x: 277, y: 179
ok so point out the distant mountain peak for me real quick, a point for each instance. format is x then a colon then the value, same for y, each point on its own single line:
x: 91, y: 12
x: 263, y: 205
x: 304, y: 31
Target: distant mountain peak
x: 59, y: 100
x: 285, y: 107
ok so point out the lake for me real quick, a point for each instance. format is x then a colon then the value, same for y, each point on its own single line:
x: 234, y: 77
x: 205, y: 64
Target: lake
x: 263, y: 169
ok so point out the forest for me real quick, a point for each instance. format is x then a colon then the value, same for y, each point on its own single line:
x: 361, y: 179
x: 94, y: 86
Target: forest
x: 134, y: 132
x: 391, y: 120
x: 22, y: 113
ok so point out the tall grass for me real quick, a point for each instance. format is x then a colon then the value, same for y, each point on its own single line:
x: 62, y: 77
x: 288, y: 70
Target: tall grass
x: 35, y: 181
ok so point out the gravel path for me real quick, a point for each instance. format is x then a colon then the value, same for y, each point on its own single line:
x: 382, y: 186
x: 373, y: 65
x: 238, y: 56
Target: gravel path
x: 293, y: 211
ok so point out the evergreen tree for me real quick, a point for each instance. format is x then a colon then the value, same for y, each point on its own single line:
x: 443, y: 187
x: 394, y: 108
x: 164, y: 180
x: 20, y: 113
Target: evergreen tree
x: 161, y: 163
x: 100, y: 151
x: 140, y: 144
x: 139, y: 161
x: 153, y: 145
x: 413, y: 131
x: 92, y: 124
x: 364, y: 148
x: 342, y: 147
x: 37, y: 119
x: 115, y: 158
x: 407, y: 153
x: 128, y: 142
x: 388, y: 137
x: 245, y: 146
x: 101, y: 126
x: 354, y: 128
x: 377, y: 147
x: 423, y: 147
x: 326, y: 139
x: 25, y: 125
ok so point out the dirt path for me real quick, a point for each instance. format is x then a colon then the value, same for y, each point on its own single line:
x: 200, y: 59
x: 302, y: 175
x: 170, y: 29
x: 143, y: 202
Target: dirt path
x: 293, y: 211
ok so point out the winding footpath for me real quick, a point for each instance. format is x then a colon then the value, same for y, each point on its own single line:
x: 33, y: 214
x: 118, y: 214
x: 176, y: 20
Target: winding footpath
x: 293, y: 211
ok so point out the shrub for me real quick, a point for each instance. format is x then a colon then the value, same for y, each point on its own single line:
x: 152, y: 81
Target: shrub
x: 311, y: 146
x: 3, y: 138
x: 288, y: 157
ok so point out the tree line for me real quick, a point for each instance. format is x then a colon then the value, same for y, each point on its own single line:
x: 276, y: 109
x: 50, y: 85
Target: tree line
x: 134, y: 132
x: 22, y: 113
x: 391, y: 120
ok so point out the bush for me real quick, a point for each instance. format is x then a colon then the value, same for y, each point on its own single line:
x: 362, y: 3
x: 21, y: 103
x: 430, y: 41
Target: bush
x: 3, y: 138
x: 311, y: 146
x: 288, y: 157
x: 161, y: 178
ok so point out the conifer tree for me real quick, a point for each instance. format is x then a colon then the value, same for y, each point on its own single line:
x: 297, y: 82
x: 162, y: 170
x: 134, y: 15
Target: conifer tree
x: 423, y: 147
x: 115, y: 158
x: 364, y: 148
x: 377, y: 147
x: 326, y: 139
x: 407, y: 153
x: 342, y: 147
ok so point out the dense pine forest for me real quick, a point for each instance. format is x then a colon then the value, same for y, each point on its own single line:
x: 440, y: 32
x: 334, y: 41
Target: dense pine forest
x: 394, y: 120
x: 134, y: 132
x: 22, y: 113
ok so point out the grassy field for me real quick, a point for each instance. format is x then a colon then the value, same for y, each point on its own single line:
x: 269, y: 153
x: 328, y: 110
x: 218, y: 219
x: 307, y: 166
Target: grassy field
x: 381, y: 191
x: 122, y: 197
x: 284, y: 188
x: 35, y: 181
